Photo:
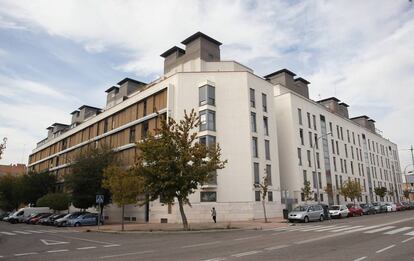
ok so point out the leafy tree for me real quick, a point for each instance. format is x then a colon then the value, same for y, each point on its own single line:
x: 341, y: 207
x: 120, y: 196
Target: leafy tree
x: 125, y: 186
x: 35, y: 185
x: 381, y: 192
x: 307, y: 191
x: 55, y: 201
x: 85, y: 178
x: 351, y: 189
x: 264, y: 187
x: 3, y: 146
x: 173, y: 163
x: 10, y: 192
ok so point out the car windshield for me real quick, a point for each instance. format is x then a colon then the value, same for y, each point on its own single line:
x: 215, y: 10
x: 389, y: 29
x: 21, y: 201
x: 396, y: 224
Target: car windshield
x: 334, y: 208
x: 299, y: 208
x: 363, y: 205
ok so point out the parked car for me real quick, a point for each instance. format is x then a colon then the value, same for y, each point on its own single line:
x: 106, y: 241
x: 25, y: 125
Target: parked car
x: 6, y: 218
x: 354, y: 210
x: 326, y: 214
x: 377, y: 207
x: 27, y: 220
x: 36, y: 219
x: 391, y: 207
x: 23, y: 213
x: 407, y: 205
x: 368, y: 209
x: 61, y: 222
x: 50, y: 219
x: 3, y: 215
x: 400, y: 207
x: 306, y: 213
x: 89, y: 219
x: 338, y: 211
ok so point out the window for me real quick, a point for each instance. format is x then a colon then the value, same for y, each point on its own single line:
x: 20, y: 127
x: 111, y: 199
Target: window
x: 252, y: 99
x: 266, y: 126
x: 269, y: 174
x: 310, y: 140
x: 300, y: 116
x: 316, y: 141
x: 314, y: 121
x: 301, y: 136
x: 337, y: 148
x: 132, y: 135
x: 267, y: 149
x: 305, y: 177
x: 207, y: 140
x: 315, y: 182
x: 257, y: 195
x: 320, y: 179
x: 264, y: 102
x: 333, y: 146
x: 309, y: 120
x: 309, y: 158
x: 145, y: 107
x: 334, y: 163
x: 255, y: 150
x: 256, y: 173
x: 330, y: 128
x: 144, y: 130
x: 208, y: 196
x: 207, y: 95
x: 346, y: 150
x: 253, y: 121
x: 317, y: 160
x: 300, y: 156
x: 105, y: 125
x: 208, y: 120
x: 270, y: 196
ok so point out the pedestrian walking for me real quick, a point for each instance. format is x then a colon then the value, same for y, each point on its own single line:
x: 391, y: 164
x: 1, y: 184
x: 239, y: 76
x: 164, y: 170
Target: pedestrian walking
x: 213, y: 214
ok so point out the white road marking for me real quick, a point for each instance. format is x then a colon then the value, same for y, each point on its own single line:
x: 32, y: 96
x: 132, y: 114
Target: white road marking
x: 408, y: 239
x: 88, y: 240
x: 276, y: 247
x: 8, y: 233
x: 245, y: 238
x: 379, y: 229
x: 128, y: 254
x: 361, y: 258
x: 312, y: 228
x: 85, y: 248
x: 216, y: 259
x: 275, y: 229
x: 57, y: 251
x: 49, y: 242
x: 384, y: 249
x: 409, y: 233
x: 113, y: 245
x: 35, y: 231
x: 201, y: 244
x: 247, y: 253
x: 363, y: 229
x: 395, y: 231
x: 26, y: 254
x: 325, y: 228
x: 21, y: 232
x: 344, y: 229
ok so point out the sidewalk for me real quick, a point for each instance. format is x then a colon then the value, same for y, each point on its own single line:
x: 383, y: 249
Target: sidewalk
x: 222, y: 226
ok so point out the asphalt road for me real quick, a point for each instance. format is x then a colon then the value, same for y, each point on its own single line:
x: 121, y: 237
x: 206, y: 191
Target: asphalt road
x: 377, y: 237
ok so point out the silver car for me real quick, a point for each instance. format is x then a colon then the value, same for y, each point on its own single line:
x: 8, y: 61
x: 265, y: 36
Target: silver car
x: 338, y: 211
x: 306, y: 213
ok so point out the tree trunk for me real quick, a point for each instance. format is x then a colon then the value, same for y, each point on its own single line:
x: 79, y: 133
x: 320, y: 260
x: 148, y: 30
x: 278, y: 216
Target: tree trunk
x: 264, y: 210
x: 183, y: 216
x: 122, y: 218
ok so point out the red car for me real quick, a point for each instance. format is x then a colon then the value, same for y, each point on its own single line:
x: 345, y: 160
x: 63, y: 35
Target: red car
x: 36, y: 219
x: 400, y: 207
x: 354, y: 210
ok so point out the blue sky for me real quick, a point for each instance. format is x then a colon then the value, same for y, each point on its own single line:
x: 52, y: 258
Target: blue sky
x: 58, y: 55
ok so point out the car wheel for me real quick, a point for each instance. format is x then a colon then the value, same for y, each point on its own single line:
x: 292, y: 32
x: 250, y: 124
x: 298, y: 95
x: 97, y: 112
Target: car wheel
x: 306, y: 219
x: 77, y: 224
x: 321, y: 218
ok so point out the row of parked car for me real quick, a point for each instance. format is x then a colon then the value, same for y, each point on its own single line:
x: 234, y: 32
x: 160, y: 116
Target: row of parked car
x: 36, y: 217
x: 322, y: 212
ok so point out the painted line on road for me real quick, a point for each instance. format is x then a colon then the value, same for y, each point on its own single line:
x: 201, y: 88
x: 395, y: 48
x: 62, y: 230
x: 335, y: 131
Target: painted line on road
x: 34, y: 231
x: 247, y: 253
x: 344, y: 229
x: 409, y: 233
x: 128, y: 254
x: 21, y: 232
x: 57, y: 251
x: 330, y: 228
x: 361, y: 258
x: 216, y: 259
x: 395, y: 231
x: 88, y: 240
x: 85, y: 248
x: 408, y: 239
x: 8, y: 233
x: 246, y: 238
x: 310, y: 228
x: 202, y: 244
x: 379, y: 229
x: 113, y: 245
x: 26, y: 254
x: 384, y: 249
x: 276, y: 247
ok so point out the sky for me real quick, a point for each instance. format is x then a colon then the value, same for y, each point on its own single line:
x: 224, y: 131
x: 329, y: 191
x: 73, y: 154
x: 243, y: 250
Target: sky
x: 58, y: 55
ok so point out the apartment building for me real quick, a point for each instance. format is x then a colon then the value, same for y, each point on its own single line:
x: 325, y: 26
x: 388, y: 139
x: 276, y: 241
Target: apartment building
x: 236, y: 110
x: 320, y: 143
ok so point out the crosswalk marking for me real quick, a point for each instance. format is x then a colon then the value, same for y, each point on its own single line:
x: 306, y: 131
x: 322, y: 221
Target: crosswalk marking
x: 395, y: 231
x: 344, y: 229
x: 310, y: 228
x: 329, y: 228
x: 379, y: 229
x: 35, y: 231
x: 8, y: 233
x: 409, y: 233
x: 21, y: 232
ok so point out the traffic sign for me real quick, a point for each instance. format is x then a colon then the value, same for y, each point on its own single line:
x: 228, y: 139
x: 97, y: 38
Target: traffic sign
x: 99, y: 199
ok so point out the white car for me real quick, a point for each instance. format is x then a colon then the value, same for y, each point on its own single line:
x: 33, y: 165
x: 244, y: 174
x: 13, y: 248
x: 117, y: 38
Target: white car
x: 338, y: 211
x: 391, y: 207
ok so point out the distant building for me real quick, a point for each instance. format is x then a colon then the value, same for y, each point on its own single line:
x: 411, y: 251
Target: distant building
x: 13, y: 169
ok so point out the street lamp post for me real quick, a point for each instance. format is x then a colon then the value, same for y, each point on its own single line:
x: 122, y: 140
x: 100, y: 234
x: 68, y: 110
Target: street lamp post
x: 314, y: 164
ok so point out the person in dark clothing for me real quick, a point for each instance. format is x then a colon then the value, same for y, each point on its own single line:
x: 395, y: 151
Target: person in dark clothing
x: 213, y: 214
